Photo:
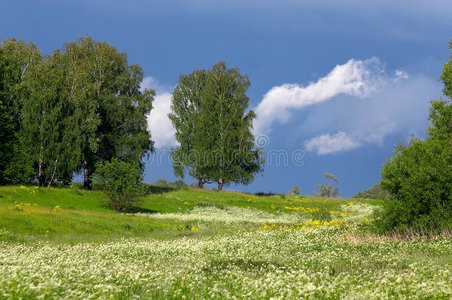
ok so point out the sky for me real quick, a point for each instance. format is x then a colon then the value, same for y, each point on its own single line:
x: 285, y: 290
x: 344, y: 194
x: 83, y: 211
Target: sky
x: 335, y: 84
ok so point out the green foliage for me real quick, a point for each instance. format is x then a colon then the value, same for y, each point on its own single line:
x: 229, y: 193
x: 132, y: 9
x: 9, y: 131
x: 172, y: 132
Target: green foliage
x: 213, y: 127
x: 177, y: 184
x: 296, y: 191
x: 328, y: 189
x: 120, y: 181
x: 375, y: 192
x: 419, y: 178
x: 323, y: 214
x: 419, y: 175
x: 16, y: 60
x: 161, y: 183
x: 65, y: 112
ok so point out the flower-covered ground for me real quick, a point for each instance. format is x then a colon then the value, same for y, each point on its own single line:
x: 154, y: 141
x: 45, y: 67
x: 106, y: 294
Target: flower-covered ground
x: 213, y: 247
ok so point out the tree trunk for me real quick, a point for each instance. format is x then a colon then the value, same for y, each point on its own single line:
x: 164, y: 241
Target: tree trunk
x: 220, y: 184
x: 40, y: 175
x: 200, y: 184
x: 86, y: 180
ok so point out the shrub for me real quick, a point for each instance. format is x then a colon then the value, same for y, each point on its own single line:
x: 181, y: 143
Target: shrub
x: 419, y: 179
x: 323, y: 214
x: 120, y: 181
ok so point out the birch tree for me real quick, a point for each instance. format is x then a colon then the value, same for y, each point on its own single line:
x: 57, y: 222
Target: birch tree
x: 213, y: 126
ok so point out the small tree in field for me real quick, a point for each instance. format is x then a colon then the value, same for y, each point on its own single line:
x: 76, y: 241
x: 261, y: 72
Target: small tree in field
x: 328, y: 189
x: 296, y: 191
x: 120, y: 181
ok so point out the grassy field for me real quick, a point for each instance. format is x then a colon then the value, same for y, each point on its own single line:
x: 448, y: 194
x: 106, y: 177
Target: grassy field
x: 67, y: 243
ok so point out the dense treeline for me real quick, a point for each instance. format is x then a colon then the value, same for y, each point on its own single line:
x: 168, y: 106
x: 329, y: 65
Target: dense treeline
x: 81, y: 107
x: 65, y: 112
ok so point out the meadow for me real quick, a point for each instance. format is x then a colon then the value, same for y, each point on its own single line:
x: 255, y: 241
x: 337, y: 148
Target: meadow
x: 68, y: 243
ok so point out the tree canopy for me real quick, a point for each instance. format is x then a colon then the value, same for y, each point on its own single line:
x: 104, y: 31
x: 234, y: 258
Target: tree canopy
x: 213, y: 126
x: 71, y: 109
x: 16, y: 59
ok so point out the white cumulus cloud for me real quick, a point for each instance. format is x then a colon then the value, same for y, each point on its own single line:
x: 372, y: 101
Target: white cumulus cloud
x: 327, y: 144
x: 399, y: 107
x: 355, y: 78
x: 356, y: 104
x: 160, y: 126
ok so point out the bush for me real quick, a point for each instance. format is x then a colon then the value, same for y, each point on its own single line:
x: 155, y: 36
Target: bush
x: 322, y: 215
x: 419, y: 179
x: 120, y: 181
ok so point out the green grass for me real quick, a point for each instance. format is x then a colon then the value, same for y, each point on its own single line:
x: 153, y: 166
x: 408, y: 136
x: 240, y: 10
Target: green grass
x: 28, y: 213
x: 68, y: 243
x: 174, y: 201
x: 50, y: 197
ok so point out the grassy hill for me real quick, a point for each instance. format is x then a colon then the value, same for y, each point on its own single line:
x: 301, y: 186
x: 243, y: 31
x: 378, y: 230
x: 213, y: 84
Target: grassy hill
x: 32, y: 213
x: 205, y: 244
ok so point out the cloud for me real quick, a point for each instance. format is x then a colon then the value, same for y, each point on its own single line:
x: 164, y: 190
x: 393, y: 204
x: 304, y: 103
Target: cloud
x: 150, y: 82
x: 327, y: 144
x: 358, y: 103
x: 160, y: 126
x: 355, y: 78
x: 400, y: 107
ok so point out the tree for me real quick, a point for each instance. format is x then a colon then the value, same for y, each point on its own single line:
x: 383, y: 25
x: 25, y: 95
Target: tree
x: 113, y: 98
x: 67, y: 111
x: 16, y: 59
x: 49, y: 130
x: 213, y: 127
x: 418, y: 176
x: 120, y: 181
x: 161, y: 182
x: 84, y: 105
x: 375, y: 192
x: 296, y: 191
x: 328, y: 189
x: 186, y: 102
x: 177, y: 184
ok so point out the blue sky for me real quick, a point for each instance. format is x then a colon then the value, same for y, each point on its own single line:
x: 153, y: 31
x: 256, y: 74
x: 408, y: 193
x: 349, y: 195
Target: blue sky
x: 336, y: 84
